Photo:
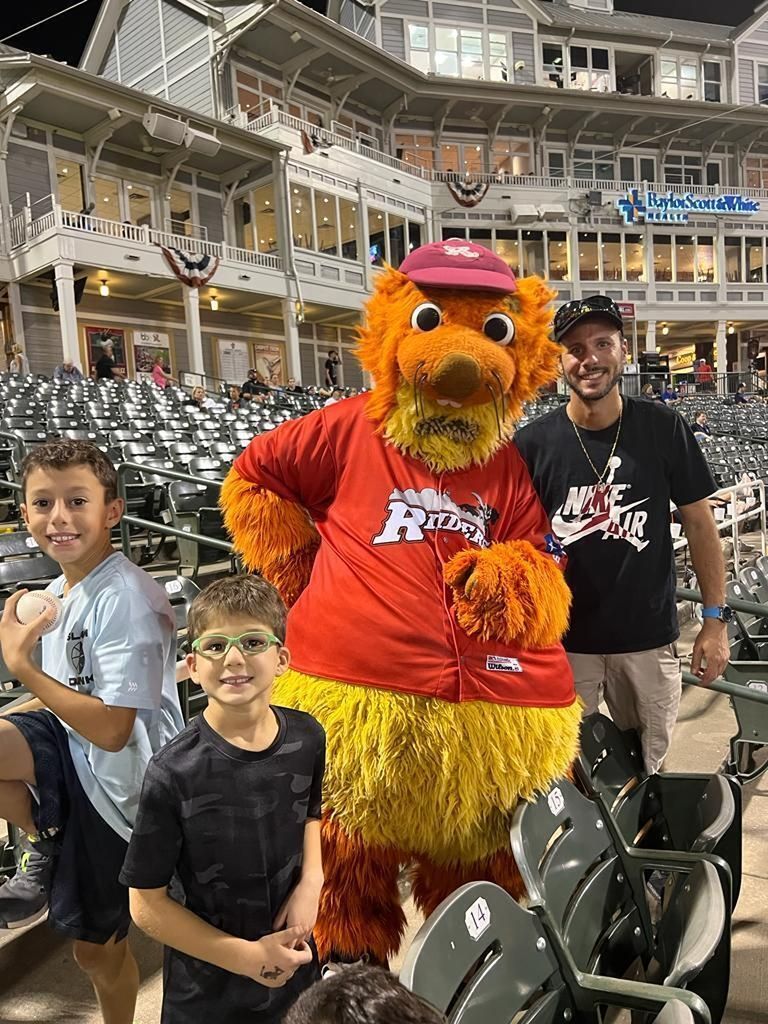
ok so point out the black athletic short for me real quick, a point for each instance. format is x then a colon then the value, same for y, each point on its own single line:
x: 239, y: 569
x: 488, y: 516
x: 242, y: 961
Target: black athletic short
x: 86, y: 900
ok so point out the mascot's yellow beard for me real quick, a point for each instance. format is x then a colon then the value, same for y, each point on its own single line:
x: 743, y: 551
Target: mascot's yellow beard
x: 444, y: 438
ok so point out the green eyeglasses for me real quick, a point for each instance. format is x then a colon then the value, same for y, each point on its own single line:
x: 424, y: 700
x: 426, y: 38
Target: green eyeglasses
x: 216, y: 646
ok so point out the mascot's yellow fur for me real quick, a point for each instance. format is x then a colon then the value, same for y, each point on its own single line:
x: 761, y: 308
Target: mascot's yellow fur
x: 427, y: 602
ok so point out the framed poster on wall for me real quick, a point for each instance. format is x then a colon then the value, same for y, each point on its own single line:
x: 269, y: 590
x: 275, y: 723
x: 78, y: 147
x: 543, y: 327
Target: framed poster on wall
x: 234, y: 360
x: 147, y: 345
x: 95, y: 340
x: 268, y: 361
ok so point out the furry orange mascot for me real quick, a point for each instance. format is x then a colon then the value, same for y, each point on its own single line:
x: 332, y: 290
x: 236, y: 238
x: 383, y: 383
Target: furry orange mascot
x: 427, y: 599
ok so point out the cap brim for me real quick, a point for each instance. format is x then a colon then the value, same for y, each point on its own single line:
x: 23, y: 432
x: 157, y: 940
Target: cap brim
x: 593, y: 314
x: 469, y: 280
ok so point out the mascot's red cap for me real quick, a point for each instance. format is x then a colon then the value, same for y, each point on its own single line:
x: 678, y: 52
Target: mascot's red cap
x: 456, y: 263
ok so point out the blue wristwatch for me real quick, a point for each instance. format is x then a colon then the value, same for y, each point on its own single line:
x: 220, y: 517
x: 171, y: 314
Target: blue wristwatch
x: 723, y: 612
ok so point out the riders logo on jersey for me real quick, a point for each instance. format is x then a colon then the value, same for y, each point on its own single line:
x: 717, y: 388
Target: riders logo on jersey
x: 411, y: 514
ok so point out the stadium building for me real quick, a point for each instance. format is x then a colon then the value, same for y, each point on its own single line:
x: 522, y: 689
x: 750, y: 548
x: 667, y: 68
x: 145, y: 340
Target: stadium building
x: 611, y: 152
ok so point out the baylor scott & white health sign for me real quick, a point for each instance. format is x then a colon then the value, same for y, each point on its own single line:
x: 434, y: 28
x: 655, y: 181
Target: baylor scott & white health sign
x: 675, y: 207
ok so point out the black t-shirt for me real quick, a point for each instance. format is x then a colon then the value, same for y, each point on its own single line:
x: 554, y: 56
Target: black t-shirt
x: 254, y: 387
x: 228, y: 825
x: 620, y: 564
x: 105, y: 367
x: 330, y: 371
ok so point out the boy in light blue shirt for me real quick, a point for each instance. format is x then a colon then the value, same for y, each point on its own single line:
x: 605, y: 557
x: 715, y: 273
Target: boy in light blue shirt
x: 106, y: 700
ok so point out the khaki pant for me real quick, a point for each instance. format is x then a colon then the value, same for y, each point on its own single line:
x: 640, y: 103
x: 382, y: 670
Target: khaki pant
x: 642, y: 691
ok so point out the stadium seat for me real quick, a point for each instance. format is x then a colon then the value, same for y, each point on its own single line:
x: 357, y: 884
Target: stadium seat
x: 695, y: 813
x: 482, y: 958
x: 194, y: 508
x: 587, y: 889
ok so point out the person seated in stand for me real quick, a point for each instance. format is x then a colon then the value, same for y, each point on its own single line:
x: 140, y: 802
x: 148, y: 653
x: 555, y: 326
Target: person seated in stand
x: 293, y: 387
x: 159, y: 375
x: 740, y: 397
x: 231, y: 810
x: 67, y: 372
x: 701, y: 427
x: 361, y: 995
x: 669, y: 394
x: 235, y: 399
x: 336, y: 396
x: 198, y: 399
x: 106, y: 368
x: 255, y: 385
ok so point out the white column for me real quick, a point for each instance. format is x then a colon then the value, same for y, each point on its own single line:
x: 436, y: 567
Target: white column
x: 65, y: 290
x: 17, y: 320
x: 721, y: 348
x: 291, y: 330
x: 191, y: 300
x: 650, y: 336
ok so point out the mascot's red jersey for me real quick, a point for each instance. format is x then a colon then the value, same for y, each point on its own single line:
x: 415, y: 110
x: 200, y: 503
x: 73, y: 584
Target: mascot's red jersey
x: 388, y: 525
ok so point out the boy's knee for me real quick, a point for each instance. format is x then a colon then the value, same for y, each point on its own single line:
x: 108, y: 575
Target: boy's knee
x: 100, y: 961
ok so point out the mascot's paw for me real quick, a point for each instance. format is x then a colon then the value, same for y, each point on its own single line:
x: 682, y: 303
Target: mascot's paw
x: 509, y: 592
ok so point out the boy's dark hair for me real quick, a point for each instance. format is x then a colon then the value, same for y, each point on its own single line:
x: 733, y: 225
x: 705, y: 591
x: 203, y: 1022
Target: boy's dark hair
x: 237, y: 595
x: 66, y: 455
x: 361, y: 995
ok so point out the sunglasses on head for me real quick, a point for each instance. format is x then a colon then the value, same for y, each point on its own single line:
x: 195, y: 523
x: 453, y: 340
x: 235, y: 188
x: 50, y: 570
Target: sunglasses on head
x: 577, y: 308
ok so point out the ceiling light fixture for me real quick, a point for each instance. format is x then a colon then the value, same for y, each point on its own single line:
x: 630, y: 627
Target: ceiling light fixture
x: 214, y: 303
x: 104, y: 288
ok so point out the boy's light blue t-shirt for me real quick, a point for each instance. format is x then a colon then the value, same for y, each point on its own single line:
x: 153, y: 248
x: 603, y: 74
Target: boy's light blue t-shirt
x: 117, y: 641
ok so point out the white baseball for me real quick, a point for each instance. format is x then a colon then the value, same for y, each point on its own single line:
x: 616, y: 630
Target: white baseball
x: 34, y: 603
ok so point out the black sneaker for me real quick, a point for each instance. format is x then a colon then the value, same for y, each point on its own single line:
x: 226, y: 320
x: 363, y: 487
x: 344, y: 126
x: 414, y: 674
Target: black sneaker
x: 24, y: 898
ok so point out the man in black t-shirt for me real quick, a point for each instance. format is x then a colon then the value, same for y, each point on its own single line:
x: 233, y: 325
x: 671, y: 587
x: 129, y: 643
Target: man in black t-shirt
x: 105, y: 366
x: 606, y: 469
x: 331, y: 374
x: 255, y: 385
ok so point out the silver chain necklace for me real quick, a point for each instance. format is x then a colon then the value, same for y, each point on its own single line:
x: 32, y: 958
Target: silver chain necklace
x: 601, y: 484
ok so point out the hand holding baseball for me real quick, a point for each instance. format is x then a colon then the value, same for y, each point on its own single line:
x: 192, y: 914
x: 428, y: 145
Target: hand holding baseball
x: 18, y: 638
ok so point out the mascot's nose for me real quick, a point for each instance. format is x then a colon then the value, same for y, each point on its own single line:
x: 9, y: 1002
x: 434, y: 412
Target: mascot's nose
x: 457, y: 376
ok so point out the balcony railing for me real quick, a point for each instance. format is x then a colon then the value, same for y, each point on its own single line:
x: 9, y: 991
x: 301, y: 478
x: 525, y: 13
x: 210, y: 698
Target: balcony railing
x: 24, y: 228
x: 275, y: 116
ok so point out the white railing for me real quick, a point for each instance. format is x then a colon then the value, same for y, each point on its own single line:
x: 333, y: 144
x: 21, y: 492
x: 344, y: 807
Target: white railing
x: 24, y: 229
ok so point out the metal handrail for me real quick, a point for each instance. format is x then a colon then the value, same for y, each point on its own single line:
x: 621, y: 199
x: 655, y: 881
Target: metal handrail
x: 161, y: 528
x: 17, y: 444
x: 750, y: 607
x: 721, y: 685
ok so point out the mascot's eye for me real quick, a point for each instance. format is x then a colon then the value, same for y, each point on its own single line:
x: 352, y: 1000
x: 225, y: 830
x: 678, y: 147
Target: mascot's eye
x: 426, y: 317
x: 499, y: 328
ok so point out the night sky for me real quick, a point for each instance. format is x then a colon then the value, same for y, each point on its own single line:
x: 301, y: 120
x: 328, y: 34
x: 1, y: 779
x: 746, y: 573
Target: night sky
x: 64, y: 37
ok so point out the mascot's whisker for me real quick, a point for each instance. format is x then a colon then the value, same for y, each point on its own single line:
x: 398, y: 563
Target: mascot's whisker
x: 421, y: 413
x: 417, y: 382
x: 501, y: 397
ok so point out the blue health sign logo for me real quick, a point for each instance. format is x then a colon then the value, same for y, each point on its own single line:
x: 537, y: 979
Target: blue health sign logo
x: 675, y: 207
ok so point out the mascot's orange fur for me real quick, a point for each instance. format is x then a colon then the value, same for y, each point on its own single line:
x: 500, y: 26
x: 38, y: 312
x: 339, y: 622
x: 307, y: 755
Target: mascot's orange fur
x: 427, y: 599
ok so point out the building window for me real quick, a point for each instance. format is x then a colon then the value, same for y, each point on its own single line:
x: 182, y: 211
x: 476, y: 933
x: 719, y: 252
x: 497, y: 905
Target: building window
x: 508, y: 247
x: 397, y: 243
x: 69, y: 185
x: 683, y: 169
x: 734, y: 260
x: 594, y: 164
x: 634, y: 168
x: 756, y: 171
x: 634, y: 257
x: 611, y: 257
x: 590, y: 69
x: 662, y: 257
x: 552, y: 60
x: 712, y: 80
x: 418, y: 39
x: 714, y: 171
x: 762, y: 83
x: 511, y: 157
x: 557, y: 251
x: 556, y: 164
x: 755, y: 259
x: 326, y: 222
x: 415, y: 149
x: 348, y: 229
x: 679, y: 78
x: 705, y: 259
x: 301, y: 217
x: 255, y: 95
x: 391, y: 237
x: 589, y: 261
x: 460, y: 52
x: 533, y: 253
x: 462, y: 157
x: 106, y: 194
x: 685, y: 258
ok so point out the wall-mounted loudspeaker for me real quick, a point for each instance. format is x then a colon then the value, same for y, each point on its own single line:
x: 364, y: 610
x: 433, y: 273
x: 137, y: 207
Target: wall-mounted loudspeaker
x: 167, y: 129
